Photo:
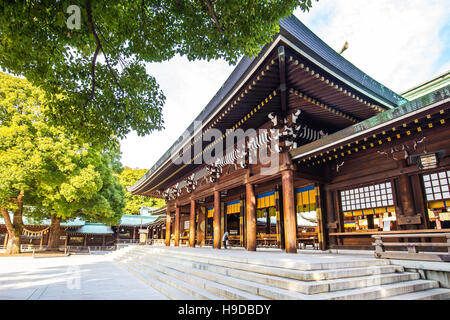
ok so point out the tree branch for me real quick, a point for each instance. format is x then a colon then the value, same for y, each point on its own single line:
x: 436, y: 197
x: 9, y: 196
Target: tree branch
x: 213, y: 14
x: 99, y: 47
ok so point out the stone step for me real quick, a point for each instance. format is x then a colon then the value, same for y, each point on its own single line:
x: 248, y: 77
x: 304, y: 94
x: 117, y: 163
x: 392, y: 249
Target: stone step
x: 432, y: 294
x: 379, y: 292
x: 220, y: 290
x: 375, y: 292
x: 287, y: 273
x: 194, y: 292
x: 166, y: 290
x: 284, y: 261
x: 296, y: 285
x: 257, y: 291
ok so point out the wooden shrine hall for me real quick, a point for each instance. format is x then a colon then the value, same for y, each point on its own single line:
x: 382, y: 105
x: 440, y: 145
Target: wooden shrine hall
x: 353, y: 158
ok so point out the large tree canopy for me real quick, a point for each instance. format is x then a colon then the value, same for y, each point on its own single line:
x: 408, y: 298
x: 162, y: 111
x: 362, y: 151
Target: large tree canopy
x: 49, y: 168
x: 99, y: 68
x: 133, y: 203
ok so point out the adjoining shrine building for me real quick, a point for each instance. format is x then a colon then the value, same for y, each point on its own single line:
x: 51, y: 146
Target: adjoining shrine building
x: 353, y: 158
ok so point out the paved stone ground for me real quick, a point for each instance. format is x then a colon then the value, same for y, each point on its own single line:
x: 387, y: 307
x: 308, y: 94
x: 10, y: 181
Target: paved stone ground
x: 78, y: 277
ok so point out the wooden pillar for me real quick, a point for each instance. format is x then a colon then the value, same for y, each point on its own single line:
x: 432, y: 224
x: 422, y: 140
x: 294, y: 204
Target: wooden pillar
x: 406, y: 196
x: 320, y: 219
x: 67, y: 241
x: 420, y: 201
x: 85, y: 240
x: 5, y: 243
x: 104, y: 240
x: 217, y: 219
x: 192, y: 225
x: 134, y: 233
x: 177, y: 227
x: 223, y: 220
x: 201, y: 226
x: 40, y: 242
x: 251, y: 216
x: 331, y: 217
x: 241, y: 223
x: 167, y: 240
x: 280, y: 222
x: 290, y: 227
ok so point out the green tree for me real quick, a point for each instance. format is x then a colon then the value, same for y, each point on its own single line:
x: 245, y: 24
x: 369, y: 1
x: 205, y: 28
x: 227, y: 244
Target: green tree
x: 48, y: 168
x: 95, y: 76
x: 133, y: 203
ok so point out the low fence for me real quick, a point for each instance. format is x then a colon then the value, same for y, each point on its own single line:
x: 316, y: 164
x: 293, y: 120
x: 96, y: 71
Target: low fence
x: 412, y: 247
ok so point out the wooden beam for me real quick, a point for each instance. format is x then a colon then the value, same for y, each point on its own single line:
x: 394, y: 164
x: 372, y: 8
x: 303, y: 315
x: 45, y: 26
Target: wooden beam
x: 251, y: 216
x: 280, y: 220
x: 177, y: 227
x: 290, y: 227
x: 216, y: 221
x: 201, y: 226
x: 167, y: 242
x: 283, y: 88
x: 406, y: 195
x: 192, y: 225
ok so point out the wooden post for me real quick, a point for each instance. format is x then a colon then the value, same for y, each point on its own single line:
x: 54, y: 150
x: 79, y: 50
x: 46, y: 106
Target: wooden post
x: 331, y: 218
x: 216, y: 223
x: 192, y: 225
x: 167, y: 228
x: 104, y: 240
x: 280, y: 224
x: 420, y: 202
x: 134, y: 233
x: 223, y: 220
x: 320, y: 222
x: 40, y: 242
x: 406, y: 196
x: 251, y: 217
x: 5, y: 243
x: 287, y: 178
x: 85, y: 240
x: 177, y: 226
x: 201, y: 227
x: 241, y: 223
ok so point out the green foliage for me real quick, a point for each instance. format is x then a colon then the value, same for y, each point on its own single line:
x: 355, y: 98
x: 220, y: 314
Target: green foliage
x: 133, y: 203
x: 99, y: 69
x: 59, y: 173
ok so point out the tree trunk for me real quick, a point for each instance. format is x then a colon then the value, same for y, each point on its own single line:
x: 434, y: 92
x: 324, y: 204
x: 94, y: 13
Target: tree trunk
x: 12, y: 247
x: 18, y: 221
x: 53, y: 234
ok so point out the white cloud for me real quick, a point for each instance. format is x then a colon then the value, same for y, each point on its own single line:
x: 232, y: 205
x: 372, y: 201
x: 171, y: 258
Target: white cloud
x: 188, y: 87
x: 395, y: 42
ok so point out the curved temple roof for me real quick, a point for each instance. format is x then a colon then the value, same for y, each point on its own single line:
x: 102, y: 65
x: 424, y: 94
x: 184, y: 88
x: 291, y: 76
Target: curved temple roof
x: 302, y: 40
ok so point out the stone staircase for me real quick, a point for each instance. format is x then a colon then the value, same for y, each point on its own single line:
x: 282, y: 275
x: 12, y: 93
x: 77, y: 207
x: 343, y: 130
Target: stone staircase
x: 197, y: 274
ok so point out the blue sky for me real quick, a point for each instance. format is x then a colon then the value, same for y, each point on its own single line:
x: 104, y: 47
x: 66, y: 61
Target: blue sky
x: 400, y: 43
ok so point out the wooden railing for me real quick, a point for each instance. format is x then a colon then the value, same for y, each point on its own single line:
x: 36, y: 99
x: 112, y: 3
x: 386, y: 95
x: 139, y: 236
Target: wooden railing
x: 413, y: 247
x: 307, y: 238
x: 156, y: 242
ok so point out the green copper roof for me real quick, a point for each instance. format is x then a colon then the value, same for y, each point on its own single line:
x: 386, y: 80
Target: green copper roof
x: 439, y: 96
x: 425, y: 88
x: 77, y: 222
x: 136, y: 221
x: 92, y: 228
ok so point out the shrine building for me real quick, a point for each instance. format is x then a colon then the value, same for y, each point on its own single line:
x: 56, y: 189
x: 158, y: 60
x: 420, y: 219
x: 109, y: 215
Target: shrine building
x: 347, y: 158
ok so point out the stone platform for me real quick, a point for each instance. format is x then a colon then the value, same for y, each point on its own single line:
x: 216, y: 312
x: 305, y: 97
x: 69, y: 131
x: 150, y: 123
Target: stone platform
x: 205, y: 273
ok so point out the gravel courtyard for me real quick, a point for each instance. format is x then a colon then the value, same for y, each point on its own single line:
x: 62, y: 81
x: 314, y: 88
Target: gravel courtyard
x: 78, y: 277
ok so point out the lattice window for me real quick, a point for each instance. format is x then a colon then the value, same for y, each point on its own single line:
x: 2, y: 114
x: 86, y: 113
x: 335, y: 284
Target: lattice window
x: 368, y: 197
x: 437, y: 185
